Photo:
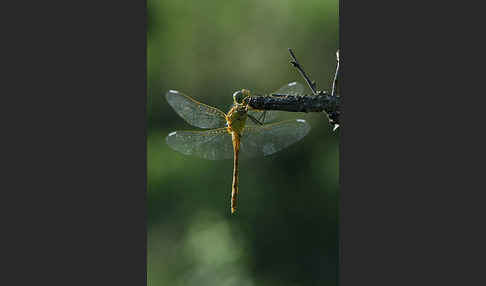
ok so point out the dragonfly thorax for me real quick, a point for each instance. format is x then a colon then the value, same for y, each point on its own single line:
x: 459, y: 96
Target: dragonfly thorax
x: 236, y: 118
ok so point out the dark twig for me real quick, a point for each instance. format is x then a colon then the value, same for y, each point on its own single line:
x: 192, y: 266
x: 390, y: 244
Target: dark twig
x: 296, y: 103
x: 320, y: 101
x: 295, y: 63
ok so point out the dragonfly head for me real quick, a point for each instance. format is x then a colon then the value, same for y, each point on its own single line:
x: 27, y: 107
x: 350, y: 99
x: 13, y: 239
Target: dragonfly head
x: 241, y: 96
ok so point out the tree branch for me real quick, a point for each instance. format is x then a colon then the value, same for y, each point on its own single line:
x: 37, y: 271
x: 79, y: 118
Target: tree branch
x: 318, y: 102
x: 296, y: 103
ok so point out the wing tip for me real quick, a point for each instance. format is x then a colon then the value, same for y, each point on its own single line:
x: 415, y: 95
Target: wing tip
x: 307, y: 125
x: 170, y: 138
x: 171, y: 92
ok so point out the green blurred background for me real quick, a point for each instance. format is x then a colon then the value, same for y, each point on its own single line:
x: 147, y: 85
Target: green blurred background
x: 285, y: 231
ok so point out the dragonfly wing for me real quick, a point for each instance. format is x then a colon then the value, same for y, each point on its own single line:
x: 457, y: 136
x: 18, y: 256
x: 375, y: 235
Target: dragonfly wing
x: 271, y: 138
x: 195, y: 113
x: 214, y: 144
x: 292, y: 88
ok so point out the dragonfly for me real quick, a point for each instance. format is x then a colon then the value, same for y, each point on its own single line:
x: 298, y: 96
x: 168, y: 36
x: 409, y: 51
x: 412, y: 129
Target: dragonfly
x: 229, y: 135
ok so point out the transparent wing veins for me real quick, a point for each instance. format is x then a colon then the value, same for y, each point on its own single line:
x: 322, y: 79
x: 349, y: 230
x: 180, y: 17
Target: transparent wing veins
x: 194, y: 112
x: 270, y: 138
x: 214, y: 144
x: 292, y: 88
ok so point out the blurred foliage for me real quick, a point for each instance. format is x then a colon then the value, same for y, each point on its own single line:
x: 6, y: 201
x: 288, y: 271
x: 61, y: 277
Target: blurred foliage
x: 285, y: 231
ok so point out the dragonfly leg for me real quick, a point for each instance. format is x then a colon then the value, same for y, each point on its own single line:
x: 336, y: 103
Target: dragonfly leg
x: 256, y: 121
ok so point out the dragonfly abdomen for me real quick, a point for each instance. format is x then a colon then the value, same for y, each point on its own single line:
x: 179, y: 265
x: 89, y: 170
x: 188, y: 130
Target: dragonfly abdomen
x: 234, y: 190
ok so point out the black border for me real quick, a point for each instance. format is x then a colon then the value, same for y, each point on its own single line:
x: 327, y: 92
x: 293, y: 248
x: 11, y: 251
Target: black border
x: 408, y: 199
x: 76, y: 75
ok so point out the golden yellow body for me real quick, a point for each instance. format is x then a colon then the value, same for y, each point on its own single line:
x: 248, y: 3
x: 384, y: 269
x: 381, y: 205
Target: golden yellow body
x: 236, y: 120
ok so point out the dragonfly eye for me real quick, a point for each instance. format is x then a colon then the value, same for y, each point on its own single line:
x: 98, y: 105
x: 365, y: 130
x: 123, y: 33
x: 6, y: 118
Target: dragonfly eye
x: 245, y: 100
x: 238, y: 97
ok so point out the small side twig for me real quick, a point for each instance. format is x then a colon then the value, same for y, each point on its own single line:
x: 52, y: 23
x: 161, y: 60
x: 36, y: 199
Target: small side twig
x: 335, y: 81
x: 295, y: 63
